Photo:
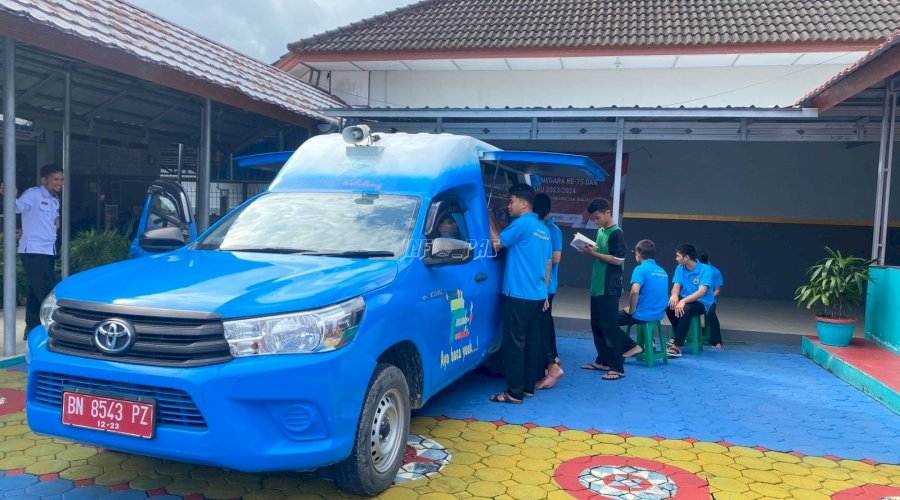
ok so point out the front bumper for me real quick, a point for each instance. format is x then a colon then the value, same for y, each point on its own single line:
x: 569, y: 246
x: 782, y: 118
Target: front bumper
x: 279, y: 412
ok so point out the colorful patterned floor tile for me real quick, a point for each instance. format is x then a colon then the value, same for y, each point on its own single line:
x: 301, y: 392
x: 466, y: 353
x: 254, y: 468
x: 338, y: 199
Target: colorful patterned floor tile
x: 725, y: 424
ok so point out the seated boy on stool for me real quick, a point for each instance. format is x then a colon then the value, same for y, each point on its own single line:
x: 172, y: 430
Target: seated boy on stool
x: 692, y: 294
x: 649, y: 293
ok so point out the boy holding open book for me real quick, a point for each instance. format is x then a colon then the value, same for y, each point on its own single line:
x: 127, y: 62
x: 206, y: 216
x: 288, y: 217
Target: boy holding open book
x: 608, y: 255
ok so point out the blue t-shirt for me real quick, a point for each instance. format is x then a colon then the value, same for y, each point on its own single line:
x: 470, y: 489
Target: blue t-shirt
x: 716, y: 277
x: 653, y: 298
x: 528, y: 244
x: 691, y: 281
x: 556, y: 242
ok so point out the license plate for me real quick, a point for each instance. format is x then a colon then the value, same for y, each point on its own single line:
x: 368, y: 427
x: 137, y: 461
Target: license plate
x: 119, y: 416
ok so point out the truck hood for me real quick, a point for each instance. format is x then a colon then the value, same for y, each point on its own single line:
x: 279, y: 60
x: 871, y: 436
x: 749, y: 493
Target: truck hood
x: 230, y: 284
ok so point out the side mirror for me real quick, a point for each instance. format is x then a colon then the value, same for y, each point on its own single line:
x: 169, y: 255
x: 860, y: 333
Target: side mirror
x: 163, y: 239
x: 442, y: 251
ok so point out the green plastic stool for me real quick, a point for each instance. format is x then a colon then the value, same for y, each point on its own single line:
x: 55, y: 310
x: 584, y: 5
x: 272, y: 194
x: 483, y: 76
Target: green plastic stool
x: 704, y: 332
x: 694, y: 338
x: 645, y: 340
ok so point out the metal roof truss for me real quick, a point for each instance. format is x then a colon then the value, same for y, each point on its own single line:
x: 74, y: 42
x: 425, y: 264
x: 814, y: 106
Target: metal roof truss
x: 643, y: 130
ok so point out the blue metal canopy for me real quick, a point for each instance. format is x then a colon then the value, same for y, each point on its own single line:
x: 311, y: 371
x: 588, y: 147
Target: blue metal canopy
x: 546, y: 163
x: 264, y: 161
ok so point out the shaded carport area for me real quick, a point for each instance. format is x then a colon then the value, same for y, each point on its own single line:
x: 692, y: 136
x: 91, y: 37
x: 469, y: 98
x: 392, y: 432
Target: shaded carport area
x: 762, y: 189
x: 122, y: 84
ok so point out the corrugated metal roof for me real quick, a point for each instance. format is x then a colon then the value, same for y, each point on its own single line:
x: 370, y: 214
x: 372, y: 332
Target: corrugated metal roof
x: 440, y: 25
x: 573, y: 112
x: 121, y: 26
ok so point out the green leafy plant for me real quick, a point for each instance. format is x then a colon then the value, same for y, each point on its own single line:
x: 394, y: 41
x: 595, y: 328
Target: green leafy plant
x: 93, y: 248
x: 837, y: 282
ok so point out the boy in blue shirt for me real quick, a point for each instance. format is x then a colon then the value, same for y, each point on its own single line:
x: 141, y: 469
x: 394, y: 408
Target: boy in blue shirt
x: 712, y: 319
x: 525, y: 278
x: 692, y: 294
x: 649, y: 293
x: 548, y: 329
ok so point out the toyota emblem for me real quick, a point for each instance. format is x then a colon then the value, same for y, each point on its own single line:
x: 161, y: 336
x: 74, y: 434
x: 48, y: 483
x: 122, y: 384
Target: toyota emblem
x: 114, y: 336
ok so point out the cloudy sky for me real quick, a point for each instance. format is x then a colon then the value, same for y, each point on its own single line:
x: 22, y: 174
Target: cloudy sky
x: 263, y: 28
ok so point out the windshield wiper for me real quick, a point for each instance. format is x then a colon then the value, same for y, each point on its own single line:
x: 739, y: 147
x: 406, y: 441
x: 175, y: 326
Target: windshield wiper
x: 353, y: 253
x: 264, y: 250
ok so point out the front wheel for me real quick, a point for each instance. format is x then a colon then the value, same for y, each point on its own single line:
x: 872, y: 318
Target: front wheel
x: 380, y: 435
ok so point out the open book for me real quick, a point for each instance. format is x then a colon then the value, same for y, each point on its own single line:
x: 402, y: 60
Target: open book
x: 580, y: 240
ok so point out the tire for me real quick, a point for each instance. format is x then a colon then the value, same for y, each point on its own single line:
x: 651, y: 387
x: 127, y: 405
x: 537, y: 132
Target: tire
x: 381, y: 435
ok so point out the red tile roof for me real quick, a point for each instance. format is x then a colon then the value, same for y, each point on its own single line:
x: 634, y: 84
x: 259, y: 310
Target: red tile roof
x: 866, y: 59
x: 119, y: 26
x: 466, y: 25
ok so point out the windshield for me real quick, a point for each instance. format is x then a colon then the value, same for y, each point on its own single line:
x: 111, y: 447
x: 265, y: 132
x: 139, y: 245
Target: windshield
x: 350, y: 224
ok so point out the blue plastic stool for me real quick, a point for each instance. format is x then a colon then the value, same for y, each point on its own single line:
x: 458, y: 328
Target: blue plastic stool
x: 644, y: 339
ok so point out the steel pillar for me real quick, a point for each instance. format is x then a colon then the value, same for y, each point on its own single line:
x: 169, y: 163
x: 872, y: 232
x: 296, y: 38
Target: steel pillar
x: 203, y: 173
x: 9, y: 198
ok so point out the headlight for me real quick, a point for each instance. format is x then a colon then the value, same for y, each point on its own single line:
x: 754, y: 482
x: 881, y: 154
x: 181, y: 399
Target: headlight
x: 321, y: 330
x: 48, y: 307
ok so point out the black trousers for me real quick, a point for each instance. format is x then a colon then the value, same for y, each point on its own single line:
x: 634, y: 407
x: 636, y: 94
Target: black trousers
x: 41, y: 280
x: 548, y: 332
x: 626, y: 319
x: 715, y: 331
x: 681, y: 325
x: 523, y: 350
x: 608, y: 337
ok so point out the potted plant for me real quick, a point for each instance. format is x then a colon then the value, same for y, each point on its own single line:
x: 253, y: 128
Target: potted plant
x: 837, y: 282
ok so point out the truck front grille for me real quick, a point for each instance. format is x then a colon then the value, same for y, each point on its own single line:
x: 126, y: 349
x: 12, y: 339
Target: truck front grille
x: 174, y: 407
x: 162, y: 337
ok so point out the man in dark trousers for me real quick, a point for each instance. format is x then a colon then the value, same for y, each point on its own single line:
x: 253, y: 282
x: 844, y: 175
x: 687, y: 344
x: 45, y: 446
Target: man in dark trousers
x: 525, y: 277
x: 712, y: 319
x: 39, y: 207
x: 691, y: 295
x: 608, y: 255
x: 548, y: 330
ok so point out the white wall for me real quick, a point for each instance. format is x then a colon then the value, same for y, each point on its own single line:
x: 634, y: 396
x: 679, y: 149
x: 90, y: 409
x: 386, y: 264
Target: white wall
x: 763, y: 86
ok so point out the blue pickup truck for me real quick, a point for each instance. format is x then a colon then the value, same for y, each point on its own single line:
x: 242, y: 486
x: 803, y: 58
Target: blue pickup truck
x: 301, y: 329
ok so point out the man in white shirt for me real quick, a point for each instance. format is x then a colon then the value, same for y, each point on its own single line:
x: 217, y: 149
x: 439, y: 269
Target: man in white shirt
x: 39, y: 207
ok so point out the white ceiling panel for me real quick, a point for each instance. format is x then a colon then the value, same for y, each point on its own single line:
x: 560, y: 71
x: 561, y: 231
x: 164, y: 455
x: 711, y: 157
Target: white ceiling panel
x: 782, y: 59
x: 599, y: 62
x: 613, y: 62
x: 481, y: 64
x: 332, y: 66
x: 430, y: 65
x: 528, y: 63
x: 705, y: 60
x: 830, y: 57
x: 381, y: 65
x: 638, y: 62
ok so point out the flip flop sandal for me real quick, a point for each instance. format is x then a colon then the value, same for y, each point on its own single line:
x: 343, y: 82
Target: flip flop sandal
x: 528, y: 394
x: 594, y: 367
x: 673, y: 352
x: 503, y: 397
x: 613, y: 376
